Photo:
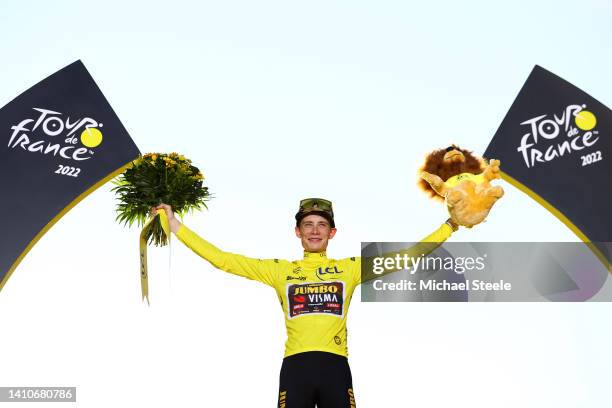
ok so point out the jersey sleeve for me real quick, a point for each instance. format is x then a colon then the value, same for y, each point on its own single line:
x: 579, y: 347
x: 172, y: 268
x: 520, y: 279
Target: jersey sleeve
x: 262, y: 270
x: 424, y: 247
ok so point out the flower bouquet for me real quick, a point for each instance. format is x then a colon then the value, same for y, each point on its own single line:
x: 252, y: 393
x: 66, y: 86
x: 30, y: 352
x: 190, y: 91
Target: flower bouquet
x: 158, y: 178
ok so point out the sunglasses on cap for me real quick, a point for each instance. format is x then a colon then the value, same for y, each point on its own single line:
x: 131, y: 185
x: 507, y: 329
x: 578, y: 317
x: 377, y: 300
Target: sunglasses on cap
x: 314, y: 204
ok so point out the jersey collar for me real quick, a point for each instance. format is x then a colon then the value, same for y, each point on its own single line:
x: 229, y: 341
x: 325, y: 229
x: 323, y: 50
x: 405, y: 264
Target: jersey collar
x: 315, y: 256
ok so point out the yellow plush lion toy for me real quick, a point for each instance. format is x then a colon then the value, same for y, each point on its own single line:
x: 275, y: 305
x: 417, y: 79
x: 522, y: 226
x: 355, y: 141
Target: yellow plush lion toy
x: 462, y: 180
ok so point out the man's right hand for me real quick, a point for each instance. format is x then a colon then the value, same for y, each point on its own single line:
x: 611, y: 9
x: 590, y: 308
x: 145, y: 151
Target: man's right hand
x: 175, y: 224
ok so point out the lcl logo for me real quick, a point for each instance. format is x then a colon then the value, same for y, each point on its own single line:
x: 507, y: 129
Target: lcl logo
x: 327, y: 271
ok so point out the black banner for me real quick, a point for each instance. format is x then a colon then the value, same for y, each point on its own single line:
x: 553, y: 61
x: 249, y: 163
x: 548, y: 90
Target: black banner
x: 554, y: 144
x: 59, y: 141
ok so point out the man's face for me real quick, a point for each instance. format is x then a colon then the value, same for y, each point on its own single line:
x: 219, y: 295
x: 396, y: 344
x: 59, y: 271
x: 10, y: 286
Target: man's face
x: 315, y: 233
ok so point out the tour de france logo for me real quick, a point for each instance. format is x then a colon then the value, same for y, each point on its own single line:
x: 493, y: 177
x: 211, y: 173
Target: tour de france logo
x: 53, y: 134
x: 49, y: 132
x: 550, y: 137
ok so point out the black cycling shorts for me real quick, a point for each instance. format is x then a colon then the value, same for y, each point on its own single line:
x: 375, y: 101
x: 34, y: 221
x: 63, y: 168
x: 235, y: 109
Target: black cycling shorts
x: 316, y: 377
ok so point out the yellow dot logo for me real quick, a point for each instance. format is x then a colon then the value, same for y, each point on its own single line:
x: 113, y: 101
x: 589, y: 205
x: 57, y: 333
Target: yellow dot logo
x: 92, y: 137
x: 585, y: 120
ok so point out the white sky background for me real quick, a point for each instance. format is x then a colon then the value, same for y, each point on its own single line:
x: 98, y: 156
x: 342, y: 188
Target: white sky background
x: 276, y: 101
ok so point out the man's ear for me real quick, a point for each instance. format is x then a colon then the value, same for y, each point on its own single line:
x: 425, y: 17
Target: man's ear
x: 298, y: 233
x: 332, y: 232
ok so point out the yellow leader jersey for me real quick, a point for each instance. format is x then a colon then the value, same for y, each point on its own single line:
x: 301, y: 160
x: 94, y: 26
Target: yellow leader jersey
x: 314, y: 292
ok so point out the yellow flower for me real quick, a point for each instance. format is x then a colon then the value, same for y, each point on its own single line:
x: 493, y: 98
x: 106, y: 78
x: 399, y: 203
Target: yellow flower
x: 169, y: 162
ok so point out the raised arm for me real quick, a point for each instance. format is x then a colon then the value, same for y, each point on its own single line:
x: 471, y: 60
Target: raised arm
x: 424, y: 247
x: 262, y: 270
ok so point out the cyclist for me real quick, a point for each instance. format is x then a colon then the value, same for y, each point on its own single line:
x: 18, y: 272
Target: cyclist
x: 315, y: 293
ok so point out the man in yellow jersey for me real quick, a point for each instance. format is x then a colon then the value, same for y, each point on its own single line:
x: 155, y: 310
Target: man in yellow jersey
x: 315, y: 293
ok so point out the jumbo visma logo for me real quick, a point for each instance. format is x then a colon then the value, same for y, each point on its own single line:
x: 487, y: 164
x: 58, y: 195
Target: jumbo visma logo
x: 551, y: 137
x: 307, y: 298
x: 49, y: 132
